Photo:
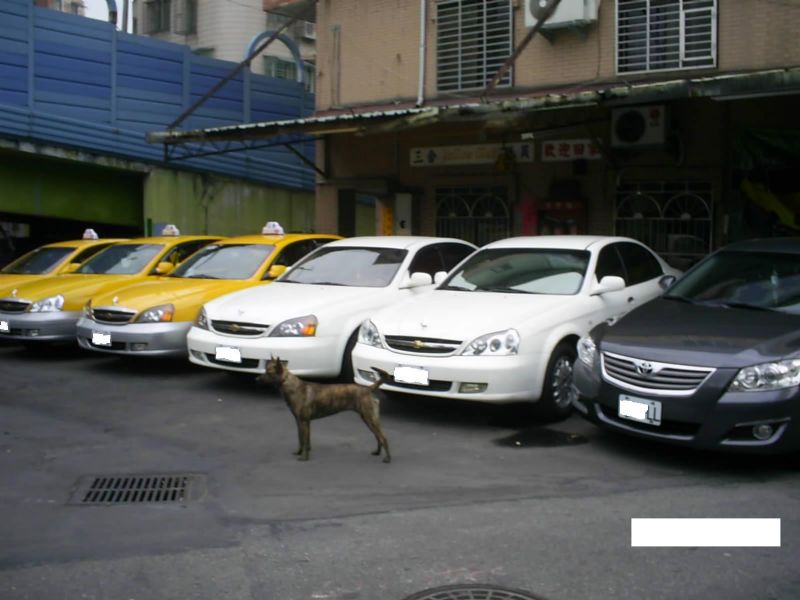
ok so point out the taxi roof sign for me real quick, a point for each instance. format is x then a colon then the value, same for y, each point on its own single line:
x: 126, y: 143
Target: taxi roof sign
x: 90, y: 234
x: 273, y: 228
x: 170, y: 229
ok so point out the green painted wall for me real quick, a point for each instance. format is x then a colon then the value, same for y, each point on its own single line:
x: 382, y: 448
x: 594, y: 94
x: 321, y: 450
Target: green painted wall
x: 199, y: 203
x: 33, y: 185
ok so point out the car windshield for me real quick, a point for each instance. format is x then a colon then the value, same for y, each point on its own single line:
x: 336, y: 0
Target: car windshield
x: 37, y: 262
x: 229, y: 261
x: 522, y: 271
x: 758, y: 280
x: 349, y: 266
x: 122, y: 259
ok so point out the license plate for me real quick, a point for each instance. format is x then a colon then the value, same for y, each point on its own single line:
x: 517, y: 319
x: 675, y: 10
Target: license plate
x: 101, y: 339
x: 228, y: 354
x: 412, y: 375
x: 640, y: 409
x: 4, y: 327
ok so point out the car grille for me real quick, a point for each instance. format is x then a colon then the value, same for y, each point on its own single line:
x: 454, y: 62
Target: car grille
x: 114, y: 316
x: 236, y: 328
x: 13, y: 306
x: 422, y: 345
x: 659, y: 378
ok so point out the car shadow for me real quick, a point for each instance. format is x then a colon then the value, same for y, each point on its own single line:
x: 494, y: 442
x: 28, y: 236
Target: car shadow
x: 45, y: 351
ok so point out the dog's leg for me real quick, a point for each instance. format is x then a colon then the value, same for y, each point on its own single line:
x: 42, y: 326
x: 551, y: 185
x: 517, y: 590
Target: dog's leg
x: 371, y: 421
x: 299, y: 436
x: 305, y: 443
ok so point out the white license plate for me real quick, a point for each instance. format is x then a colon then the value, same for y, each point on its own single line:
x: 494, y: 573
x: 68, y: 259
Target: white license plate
x: 640, y: 409
x: 412, y: 375
x: 228, y: 354
x: 101, y: 339
x: 4, y: 327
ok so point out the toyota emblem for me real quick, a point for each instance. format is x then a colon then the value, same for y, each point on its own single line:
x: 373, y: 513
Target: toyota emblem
x: 644, y: 368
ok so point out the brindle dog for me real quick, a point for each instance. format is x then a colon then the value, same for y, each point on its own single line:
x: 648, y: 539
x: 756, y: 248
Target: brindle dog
x: 309, y: 401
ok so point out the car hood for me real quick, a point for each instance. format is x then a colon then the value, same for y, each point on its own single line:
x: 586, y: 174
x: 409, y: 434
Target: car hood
x: 454, y: 315
x: 76, y: 288
x: 187, y: 295
x: 280, y: 301
x: 8, y: 281
x: 672, y: 331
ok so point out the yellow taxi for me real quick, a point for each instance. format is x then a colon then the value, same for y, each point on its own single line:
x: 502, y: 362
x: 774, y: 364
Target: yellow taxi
x: 53, y: 259
x: 153, y: 317
x: 49, y: 308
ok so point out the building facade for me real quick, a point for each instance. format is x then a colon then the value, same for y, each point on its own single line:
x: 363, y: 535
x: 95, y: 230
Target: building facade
x: 224, y: 30
x: 672, y: 121
x: 76, y: 7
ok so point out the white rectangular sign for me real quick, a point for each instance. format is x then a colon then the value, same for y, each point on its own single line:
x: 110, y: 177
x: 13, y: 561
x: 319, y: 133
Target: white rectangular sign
x: 228, y: 354
x: 693, y: 533
x: 472, y: 154
x: 4, y: 327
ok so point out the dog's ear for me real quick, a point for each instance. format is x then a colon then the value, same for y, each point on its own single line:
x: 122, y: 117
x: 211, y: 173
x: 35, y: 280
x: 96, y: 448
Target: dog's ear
x: 278, y: 364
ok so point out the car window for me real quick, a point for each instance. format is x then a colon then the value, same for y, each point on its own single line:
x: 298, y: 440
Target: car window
x: 349, y: 266
x: 121, y: 259
x: 427, y: 260
x: 452, y: 254
x: 521, y: 270
x: 293, y: 252
x: 41, y: 260
x: 227, y: 261
x: 609, y: 263
x: 640, y: 264
x: 181, y: 252
x: 87, y: 253
x: 755, y: 279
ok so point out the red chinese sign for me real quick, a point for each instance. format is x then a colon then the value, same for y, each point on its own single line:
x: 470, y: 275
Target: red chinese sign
x: 557, y: 150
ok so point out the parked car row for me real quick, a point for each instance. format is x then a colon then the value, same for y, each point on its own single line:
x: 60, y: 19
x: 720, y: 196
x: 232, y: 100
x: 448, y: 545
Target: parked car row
x: 561, y: 321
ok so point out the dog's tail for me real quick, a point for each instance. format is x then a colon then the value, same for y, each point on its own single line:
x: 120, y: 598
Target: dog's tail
x: 383, y: 377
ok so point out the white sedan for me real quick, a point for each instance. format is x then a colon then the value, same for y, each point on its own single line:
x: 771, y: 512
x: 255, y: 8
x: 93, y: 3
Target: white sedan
x: 310, y: 315
x: 503, y: 326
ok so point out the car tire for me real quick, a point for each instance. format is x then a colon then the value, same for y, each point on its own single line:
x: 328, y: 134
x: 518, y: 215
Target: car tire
x: 346, y: 375
x: 555, y: 403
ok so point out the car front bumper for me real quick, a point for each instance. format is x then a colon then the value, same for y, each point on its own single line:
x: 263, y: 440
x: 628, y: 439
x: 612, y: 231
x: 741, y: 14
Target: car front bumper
x: 713, y: 418
x: 306, y: 356
x: 140, y: 339
x: 45, y: 326
x: 506, y: 378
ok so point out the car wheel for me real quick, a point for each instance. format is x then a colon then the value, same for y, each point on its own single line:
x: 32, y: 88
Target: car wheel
x: 346, y: 375
x: 557, y: 394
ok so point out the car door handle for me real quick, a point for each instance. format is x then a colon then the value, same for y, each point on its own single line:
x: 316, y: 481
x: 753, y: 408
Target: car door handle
x: 630, y: 299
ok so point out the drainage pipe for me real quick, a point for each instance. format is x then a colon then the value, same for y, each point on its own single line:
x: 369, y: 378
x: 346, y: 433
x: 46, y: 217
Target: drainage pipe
x: 423, y: 10
x: 112, y: 11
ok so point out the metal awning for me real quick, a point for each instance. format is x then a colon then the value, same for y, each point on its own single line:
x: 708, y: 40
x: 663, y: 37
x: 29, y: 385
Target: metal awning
x: 287, y: 132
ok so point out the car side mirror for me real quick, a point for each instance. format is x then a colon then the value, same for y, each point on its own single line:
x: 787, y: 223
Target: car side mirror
x: 416, y: 280
x: 275, y: 271
x: 164, y: 267
x: 666, y: 281
x: 72, y: 267
x: 609, y: 283
x: 439, y: 277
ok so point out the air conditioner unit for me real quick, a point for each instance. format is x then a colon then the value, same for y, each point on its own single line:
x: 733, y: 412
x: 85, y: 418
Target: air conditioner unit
x: 568, y: 13
x: 638, y: 126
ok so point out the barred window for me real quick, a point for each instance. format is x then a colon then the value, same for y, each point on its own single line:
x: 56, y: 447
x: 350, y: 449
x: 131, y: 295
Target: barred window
x: 657, y: 35
x: 473, y: 40
x: 157, y: 16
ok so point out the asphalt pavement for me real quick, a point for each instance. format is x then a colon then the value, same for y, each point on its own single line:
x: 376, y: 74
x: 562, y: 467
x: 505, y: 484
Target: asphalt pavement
x: 474, y: 494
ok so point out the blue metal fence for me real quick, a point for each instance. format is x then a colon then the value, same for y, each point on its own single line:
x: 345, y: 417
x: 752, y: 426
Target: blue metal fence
x: 76, y: 82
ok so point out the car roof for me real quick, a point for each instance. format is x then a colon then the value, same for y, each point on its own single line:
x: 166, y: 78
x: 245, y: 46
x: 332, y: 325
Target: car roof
x: 405, y: 242
x: 169, y: 239
x: 788, y: 245
x: 83, y: 243
x: 564, y: 242
x: 276, y: 239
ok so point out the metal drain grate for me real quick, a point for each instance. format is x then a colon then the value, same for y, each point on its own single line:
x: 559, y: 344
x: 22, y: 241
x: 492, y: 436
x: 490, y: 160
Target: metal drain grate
x: 138, y: 489
x: 473, y: 592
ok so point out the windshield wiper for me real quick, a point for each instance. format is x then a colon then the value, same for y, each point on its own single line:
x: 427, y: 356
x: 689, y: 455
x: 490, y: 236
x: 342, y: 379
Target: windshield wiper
x: 742, y: 305
x: 503, y: 290
x: 680, y: 299
x: 198, y: 276
x: 455, y: 287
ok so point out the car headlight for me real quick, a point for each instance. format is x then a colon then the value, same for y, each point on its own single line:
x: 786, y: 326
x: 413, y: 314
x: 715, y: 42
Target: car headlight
x: 299, y: 327
x: 587, y: 351
x: 499, y: 343
x: 87, y: 309
x: 768, y: 376
x: 51, y: 304
x: 201, y: 321
x: 157, y: 314
x: 368, y: 334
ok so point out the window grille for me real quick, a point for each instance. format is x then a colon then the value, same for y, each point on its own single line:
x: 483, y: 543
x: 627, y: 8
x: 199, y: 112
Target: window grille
x: 673, y: 218
x: 474, y: 38
x: 657, y: 35
x: 476, y: 214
